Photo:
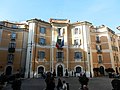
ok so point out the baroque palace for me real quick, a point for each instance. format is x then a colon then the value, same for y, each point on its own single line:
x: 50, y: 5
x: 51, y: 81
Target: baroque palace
x: 36, y: 47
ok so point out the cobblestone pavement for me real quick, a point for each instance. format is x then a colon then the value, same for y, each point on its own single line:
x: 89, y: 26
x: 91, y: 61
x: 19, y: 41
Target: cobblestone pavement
x: 96, y: 83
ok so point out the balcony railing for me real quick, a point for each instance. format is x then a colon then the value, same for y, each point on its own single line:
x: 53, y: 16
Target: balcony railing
x: 99, y: 51
x: 59, y: 59
x: 97, y: 41
x: 11, y: 50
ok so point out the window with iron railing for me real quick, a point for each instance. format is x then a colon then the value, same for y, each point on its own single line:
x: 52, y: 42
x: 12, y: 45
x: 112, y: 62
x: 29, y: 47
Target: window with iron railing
x: 78, y: 55
x: 99, y: 59
x: 99, y: 48
x: 76, y: 42
x: 14, y: 26
x: 13, y: 36
x: 11, y: 47
x: 10, y: 58
x: 76, y: 31
x: 60, y: 56
x: 42, y: 30
x: 42, y: 41
x: 97, y: 39
x: 41, y: 55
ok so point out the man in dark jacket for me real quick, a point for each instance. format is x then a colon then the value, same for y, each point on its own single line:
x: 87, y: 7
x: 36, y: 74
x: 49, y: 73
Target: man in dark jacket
x: 116, y: 84
x: 83, y: 80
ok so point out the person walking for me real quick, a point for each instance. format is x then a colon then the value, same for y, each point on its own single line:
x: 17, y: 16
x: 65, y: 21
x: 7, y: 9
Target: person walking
x: 59, y: 85
x: 16, y: 84
x: 115, y: 84
x: 50, y: 82
x: 83, y: 81
x: 64, y: 87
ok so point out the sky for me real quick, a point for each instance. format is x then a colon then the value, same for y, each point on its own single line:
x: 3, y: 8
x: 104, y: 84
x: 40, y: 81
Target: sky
x: 98, y: 12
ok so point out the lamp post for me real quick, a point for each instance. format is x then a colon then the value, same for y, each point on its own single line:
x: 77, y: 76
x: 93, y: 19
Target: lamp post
x: 30, y: 60
x: 117, y: 60
x: 89, y: 62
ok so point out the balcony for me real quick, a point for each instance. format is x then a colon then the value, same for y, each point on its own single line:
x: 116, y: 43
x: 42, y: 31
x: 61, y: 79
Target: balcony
x: 97, y: 41
x: 99, y: 51
x: 59, y: 59
x: 11, y: 50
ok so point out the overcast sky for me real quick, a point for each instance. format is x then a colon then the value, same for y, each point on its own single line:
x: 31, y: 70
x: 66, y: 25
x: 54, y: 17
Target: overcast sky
x: 98, y: 12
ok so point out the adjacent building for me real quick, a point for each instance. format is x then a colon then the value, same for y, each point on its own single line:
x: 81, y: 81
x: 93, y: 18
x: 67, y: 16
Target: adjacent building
x: 13, y: 38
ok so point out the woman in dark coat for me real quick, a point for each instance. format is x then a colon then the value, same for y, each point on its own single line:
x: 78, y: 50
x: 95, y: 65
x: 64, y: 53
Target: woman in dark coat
x: 59, y: 85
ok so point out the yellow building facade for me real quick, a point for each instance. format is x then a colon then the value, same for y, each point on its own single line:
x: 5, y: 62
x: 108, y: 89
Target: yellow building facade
x: 13, y: 38
x: 59, y: 46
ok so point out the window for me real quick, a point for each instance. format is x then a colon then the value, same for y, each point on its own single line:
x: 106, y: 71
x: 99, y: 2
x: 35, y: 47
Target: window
x: 97, y: 39
x: 42, y: 41
x: 78, y: 55
x: 76, y: 42
x: 14, y: 26
x: 11, y: 48
x: 13, y: 36
x: 76, y: 31
x: 42, y: 30
x: 59, y: 31
x: 99, y: 59
x: 12, y: 45
x: 98, y: 47
x: 41, y: 54
x: 10, y: 58
x: 60, y: 55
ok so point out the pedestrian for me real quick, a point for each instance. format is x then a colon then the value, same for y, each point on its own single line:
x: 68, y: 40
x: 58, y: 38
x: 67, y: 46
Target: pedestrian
x: 3, y: 80
x: 72, y: 73
x: 83, y: 80
x: 50, y: 82
x: 85, y: 87
x: 59, y: 85
x: 115, y: 84
x: 64, y: 87
x: 16, y: 84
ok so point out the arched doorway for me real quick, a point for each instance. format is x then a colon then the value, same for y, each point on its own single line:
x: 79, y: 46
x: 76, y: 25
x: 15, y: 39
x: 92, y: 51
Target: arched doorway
x: 40, y: 71
x: 60, y: 70
x: 9, y: 70
x: 101, y: 70
x: 78, y: 69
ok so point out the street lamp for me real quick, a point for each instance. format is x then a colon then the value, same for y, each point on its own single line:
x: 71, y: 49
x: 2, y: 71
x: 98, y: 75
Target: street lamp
x: 89, y: 62
x: 117, y: 60
x: 30, y: 60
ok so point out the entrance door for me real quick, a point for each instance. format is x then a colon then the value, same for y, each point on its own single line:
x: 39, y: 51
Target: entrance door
x: 60, y: 70
x: 101, y: 70
x: 40, y: 70
x: 78, y: 69
x: 9, y: 70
